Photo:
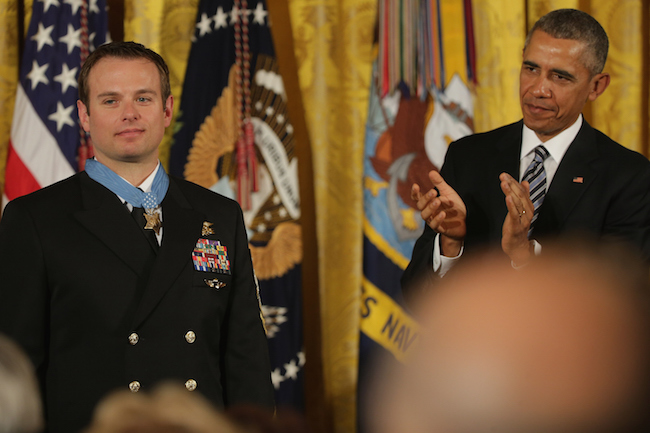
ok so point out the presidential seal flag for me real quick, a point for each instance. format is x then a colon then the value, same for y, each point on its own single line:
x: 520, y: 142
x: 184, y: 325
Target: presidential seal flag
x: 46, y: 143
x: 234, y: 136
x: 420, y: 101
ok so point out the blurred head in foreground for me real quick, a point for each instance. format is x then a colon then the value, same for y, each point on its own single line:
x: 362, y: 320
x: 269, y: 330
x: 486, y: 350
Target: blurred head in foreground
x: 559, y: 346
x: 168, y: 409
x: 21, y: 410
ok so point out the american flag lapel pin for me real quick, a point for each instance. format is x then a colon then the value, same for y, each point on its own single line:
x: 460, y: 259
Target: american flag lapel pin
x: 578, y: 179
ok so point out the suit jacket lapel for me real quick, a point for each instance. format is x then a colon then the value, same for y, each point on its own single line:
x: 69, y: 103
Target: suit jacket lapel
x: 109, y: 220
x: 181, y: 228
x: 506, y: 159
x: 573, y: 177
x: 509, y: 150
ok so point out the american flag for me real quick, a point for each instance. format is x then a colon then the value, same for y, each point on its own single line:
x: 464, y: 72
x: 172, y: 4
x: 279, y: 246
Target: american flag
x: 45, y: 134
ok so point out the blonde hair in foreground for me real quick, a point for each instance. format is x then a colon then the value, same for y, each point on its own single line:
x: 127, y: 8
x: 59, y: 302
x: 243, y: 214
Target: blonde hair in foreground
x: 170, y: 408
x: 21, y: 410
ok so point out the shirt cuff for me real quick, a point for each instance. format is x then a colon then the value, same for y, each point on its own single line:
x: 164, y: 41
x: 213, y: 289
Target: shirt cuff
x: 442, y: 264
x: 537, y: 250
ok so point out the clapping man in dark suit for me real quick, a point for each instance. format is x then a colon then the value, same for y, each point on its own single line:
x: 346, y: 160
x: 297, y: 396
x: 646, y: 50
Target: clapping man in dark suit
x: 546, y: 175
x: 122, y: 277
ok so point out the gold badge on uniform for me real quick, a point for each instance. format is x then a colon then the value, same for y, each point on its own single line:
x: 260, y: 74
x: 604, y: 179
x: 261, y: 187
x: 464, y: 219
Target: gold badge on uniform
x: 214, y: 283
x: 207, y: 230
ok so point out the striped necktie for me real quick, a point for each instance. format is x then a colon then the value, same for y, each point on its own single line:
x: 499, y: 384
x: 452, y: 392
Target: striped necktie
x: 536, y: 177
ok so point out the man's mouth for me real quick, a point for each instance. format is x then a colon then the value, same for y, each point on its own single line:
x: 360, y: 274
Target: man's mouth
x: 129, y: 132
x: 536, y: 109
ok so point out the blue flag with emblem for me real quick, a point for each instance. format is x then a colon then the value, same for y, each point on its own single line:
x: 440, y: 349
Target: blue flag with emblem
x: 420, y: 101
x: 232, y: 82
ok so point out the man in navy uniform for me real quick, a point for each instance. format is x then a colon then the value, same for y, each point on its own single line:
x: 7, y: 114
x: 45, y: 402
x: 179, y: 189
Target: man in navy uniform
x: 120, y: 276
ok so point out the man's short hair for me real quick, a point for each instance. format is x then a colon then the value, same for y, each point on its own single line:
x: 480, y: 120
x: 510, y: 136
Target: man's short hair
x: 578, y: 26
x: 124, y: 50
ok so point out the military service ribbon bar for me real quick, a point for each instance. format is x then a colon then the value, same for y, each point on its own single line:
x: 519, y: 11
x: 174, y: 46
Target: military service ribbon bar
x: 211, y: 256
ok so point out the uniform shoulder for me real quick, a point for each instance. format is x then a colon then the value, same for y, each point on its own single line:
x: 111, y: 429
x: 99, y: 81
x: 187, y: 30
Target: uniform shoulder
x: 204, y: 195
x: 54, y: 194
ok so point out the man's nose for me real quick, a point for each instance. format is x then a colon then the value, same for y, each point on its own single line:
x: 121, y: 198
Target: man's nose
x: 541, y: 88
x: 130, y: 111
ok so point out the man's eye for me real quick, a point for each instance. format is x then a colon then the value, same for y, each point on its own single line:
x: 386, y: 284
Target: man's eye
x: 142, y: 99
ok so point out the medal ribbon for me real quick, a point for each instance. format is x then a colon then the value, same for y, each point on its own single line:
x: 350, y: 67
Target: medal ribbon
x: 136, y: 197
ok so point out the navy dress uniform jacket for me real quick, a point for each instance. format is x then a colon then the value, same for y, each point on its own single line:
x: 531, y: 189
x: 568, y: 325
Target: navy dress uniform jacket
x: 600, y: 189
x: 97, y: 309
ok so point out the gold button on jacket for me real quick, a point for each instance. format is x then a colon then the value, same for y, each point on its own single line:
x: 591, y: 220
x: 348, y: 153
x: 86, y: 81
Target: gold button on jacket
x: 191, y: 385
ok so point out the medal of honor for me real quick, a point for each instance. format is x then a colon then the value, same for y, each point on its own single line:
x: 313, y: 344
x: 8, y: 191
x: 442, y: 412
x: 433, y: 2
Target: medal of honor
x: 153, y: 221
x: 149, y: 201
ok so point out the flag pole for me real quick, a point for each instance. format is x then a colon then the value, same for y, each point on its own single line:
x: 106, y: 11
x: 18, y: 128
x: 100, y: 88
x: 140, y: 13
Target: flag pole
x: 317, y: 410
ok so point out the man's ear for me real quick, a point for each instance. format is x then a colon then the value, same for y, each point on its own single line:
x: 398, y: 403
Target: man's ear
x: 598, y: 85
x: 83, y: 115
x: 169, y: 110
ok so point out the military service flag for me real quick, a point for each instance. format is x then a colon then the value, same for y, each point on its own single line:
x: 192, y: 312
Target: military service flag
x: 420, y: 101
x: 235, y: 137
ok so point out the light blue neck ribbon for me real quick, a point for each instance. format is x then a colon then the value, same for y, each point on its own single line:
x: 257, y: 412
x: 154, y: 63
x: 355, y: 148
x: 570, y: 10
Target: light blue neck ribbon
x: 135, y: 196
